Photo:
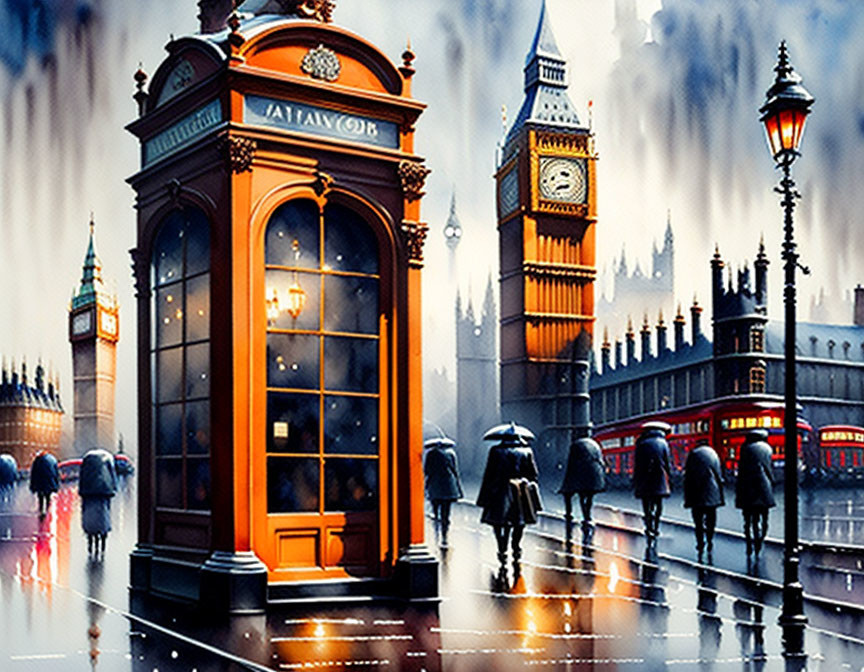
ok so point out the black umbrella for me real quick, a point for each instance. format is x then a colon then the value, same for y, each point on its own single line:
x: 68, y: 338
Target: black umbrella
x: 439, y: 441
x: 510, y: 432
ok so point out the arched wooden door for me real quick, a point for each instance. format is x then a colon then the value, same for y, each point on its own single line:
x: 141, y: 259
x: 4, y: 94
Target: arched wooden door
x: 320, y: 474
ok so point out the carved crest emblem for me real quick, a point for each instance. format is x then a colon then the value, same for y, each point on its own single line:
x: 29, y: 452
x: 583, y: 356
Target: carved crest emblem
x: 321, y: 63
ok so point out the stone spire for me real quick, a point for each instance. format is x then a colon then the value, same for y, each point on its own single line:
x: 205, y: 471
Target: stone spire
x: 546, y: 101
x: 91, y: 276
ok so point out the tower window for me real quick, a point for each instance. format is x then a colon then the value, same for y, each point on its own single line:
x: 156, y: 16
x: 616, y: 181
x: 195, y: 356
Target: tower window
x: 757, y: 380
x: 757, y: 340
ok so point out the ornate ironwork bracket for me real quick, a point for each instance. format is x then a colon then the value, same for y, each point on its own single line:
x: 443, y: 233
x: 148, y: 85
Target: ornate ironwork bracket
x: 240, y: 152
x: 140, y: 273
x: 414, y: 236
x: 413, y: 176
x: 323, y: 182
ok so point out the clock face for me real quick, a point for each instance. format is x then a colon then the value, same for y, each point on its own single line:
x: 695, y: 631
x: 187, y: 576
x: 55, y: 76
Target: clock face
x: 82, y: 322
x: 563, y: 179
x: 108, y: 323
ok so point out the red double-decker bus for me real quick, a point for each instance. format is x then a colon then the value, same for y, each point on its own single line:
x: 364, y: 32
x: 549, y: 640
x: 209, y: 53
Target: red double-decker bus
x: 722, y: 423
x: 841, y: 450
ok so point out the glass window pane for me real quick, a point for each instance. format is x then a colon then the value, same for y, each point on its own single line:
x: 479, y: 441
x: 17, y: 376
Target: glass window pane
x: 169, y: 484
x: 198, y: 308
x: 169, y: 368
x: 168, y: 251
x: 350, y: 485
x: 351, y: 304
x: 198, y: 483
x: 351, y: 425
x: 169, y: 315
x: 351, y: 364
x: 197, y: 427
x: 169, y: 431
x: 198, y: 371
x: 197, y: 236
x: 292, y: 423
x: 292, y: 484
x: 293, y: 235
x: 285, y: 290
x: 349, y: 242
x: 292, y: 361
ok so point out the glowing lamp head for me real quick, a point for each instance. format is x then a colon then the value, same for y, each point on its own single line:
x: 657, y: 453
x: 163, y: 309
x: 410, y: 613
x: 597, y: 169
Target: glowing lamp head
x: 787, y: 104
x: 296, y: 299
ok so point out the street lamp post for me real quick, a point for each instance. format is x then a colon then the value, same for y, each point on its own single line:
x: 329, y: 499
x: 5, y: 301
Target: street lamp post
x: 783, y: 114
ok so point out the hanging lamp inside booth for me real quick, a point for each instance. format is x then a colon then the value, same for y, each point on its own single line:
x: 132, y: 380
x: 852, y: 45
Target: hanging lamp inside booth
x: 294, y: 295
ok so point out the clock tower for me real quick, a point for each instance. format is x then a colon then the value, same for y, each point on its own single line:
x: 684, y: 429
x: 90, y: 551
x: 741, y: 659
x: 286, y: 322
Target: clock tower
x: 93, y: 333
x: 547, y: 205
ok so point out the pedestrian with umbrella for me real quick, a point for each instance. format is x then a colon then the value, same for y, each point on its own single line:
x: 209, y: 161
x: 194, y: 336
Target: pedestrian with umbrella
x: 8, y: 477
x: 703, y: 493
x: 754, y: 488
x: 443, y: 486
x: 585, y: 475
x: 44, y: 479
x: 651, y: 474
x: 97, y: 484
x: 509, y: 494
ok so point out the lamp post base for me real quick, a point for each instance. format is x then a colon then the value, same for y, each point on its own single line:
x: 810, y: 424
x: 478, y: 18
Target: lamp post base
x: 792, y: 620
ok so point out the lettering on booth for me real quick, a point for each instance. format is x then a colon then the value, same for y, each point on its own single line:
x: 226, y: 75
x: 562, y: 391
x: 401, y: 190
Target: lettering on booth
x: 293, y: 116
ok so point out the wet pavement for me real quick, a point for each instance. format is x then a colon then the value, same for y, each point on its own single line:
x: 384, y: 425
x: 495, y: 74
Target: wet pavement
x: 598, y: 603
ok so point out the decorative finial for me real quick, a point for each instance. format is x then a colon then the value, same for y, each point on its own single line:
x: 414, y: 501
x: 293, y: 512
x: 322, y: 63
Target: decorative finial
x: 660, y: 318
x: 408, y: 57
x: 679, y: 315
x: 92, y: 223
x: 140, y: 96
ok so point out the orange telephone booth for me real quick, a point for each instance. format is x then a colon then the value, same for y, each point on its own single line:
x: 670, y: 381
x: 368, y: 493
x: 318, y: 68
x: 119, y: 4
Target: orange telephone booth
x: 277, y: 270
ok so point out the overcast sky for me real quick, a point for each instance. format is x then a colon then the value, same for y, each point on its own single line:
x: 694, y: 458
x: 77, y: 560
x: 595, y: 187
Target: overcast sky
x: 676, y: 87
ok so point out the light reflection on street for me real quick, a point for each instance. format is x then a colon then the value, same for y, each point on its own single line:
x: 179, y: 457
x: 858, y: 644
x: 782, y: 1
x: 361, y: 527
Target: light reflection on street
x: 578, y: 598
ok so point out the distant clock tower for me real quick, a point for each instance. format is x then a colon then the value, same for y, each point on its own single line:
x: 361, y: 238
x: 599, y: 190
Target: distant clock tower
x: 547, y: 210
x: 93, y: 333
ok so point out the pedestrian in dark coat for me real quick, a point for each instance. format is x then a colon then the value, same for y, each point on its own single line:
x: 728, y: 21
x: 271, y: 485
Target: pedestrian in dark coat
x: 754, y: 488
x: 651, y: 474
x: 97, y: 484
x: 509, y: 494
x: 703, y: 493
x: 443, y: 486
x: 585, y: 475
x: 8, y: 476
x: 44, y: 479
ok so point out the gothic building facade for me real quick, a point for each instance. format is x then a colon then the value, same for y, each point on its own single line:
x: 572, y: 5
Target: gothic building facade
x: 743, y: 359
x: 93, y: 333
x: 476, y: 378
x: 30, y: 414
x: 547, y: 212
x: 631, y: 293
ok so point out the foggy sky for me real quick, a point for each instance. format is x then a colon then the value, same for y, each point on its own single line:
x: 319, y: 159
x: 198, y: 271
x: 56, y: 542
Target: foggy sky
x: 676, y: 95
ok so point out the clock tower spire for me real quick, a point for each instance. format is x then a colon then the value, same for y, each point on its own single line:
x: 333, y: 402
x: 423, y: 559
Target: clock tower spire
x: 547, y: 211
x: 93, y: 333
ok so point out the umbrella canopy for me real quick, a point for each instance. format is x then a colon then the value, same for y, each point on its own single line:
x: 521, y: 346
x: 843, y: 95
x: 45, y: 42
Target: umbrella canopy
x: 439, y: 441
x: 98, y: 476
x: 8, y: 469
x: 664, y: 427
x: 510, y: 432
